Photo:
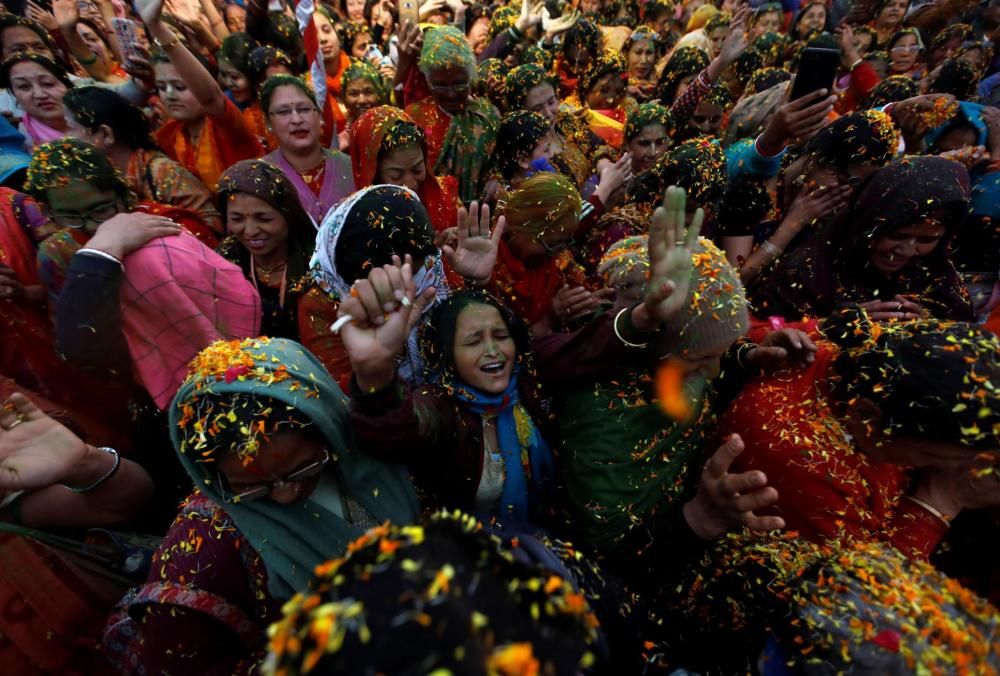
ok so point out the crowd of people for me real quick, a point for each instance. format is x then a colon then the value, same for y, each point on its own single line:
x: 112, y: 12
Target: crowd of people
x: 586, y: 337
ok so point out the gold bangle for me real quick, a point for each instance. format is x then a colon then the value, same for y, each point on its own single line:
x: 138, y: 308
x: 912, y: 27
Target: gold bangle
x: 170, y: 45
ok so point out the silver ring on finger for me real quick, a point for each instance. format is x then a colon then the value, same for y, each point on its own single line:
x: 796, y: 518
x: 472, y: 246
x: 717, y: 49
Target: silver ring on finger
x: 406, y: 302
x: 17, y: 421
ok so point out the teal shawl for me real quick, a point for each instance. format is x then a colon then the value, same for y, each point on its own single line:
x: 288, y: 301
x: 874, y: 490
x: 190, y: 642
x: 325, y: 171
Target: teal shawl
x: 291, y: 539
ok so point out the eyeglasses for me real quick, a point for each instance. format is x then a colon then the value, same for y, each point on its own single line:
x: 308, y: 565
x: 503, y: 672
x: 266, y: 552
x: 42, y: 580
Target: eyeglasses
x: 263, y: 490
x: 460, y: 88
x: 97, y: 215
x: 301, y: 111
x: 905, y: 49
x: 553, y: 249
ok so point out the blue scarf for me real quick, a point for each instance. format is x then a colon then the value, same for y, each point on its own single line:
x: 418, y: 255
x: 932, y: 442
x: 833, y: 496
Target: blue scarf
x: 514, y: 506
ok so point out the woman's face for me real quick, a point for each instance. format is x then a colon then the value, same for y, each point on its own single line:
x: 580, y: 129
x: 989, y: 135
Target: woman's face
x: 484, y: 349
x: 450, y: 87
x: 863, y: 43
x: 892, y: 13
x: 93, y: 41
x: 360, y: 95
x: 648, y: 147
x: 39, y: 92
x: 904, y: 54
x: 943, y: 51
x: 235, y: 81
x: 236, y: 19
x: 641, y: 59
x: 814, y: 18
x: 356, y: 10
x: 258, y: 226
x: 479, y: 35
x: 404, y: 166
x: 892, y: 252
x: 282, y: 454
x: 769, y: 22
x: 80, y: 204
x: 578, y: 58
x: 294, y: 119
x: 718, y: 36
x: 683, y: 84
x: 180, y: 102
x: 543, y: 100
x: 362, y: 41
x: 607, y: 93
x: 975, y: 58
x: 329, y: 42
x: 707, y: 118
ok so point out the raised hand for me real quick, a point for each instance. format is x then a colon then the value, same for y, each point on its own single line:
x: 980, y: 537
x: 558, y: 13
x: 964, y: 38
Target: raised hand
x: 817, y: 202
x: 149, y: 10
x: 376, y: 320
x: 735, y: 42
x: 66, y: 13
x: 41, y: 16
x: 670, y: 264
x: 726, y: 501
x: 35, y: 450
x: 476, y: 253
x: 572, y: 303
x: 795, y: 120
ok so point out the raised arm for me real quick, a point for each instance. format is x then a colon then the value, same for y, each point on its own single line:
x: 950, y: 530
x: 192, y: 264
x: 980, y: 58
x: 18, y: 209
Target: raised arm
x: 203, y: 86
x: 67, y: 16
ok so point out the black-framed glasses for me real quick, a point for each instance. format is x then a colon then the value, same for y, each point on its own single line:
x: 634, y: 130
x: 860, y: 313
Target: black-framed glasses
x: 263, y: 490
x: 459, y: 88
x: 95, y: 215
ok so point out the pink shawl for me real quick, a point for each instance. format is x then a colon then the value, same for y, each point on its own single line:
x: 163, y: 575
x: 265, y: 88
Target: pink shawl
x: 338, y: 183
x: 39, y: 132
x: 177, y: 297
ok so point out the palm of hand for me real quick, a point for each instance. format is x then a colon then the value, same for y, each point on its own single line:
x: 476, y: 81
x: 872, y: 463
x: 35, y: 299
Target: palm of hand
x: 475, y: 257
x: 149, y: 10
x: 37, y: 453
x: 675, y: 267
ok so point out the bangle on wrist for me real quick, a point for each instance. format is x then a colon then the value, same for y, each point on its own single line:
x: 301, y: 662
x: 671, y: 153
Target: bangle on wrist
x: 742, y: 352
x: 771, y: 249
x: 170, y: 45
x: 855, y: 64
x: 618, y: 335
x: 110, y: 473
x: 930, y: 508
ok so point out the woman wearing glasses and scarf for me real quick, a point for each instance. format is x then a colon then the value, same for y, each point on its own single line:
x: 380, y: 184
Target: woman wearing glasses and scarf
x: 461, y: 129
x: 321, y: 177
x: 262, y: 431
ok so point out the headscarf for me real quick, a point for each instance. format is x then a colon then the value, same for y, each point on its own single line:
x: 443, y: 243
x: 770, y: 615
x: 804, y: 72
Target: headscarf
x: 606, y: 63
x: 291, y: 539
x: 794, y: 33
x: 697, y: 165
x: 750, y: 115
x: 266, y: 182
x: 177, y: 297
x: 528, y: 461
x: 543, y: 201
x: 864, y: 138
x: 520, y: 132
x: 684, y: 62
x: 956, y: 77
x: 834, y: 268
x: 446, y: 47
x: 700, y: 17
x: 472, y: 606
x: 387, y: 128
x: 362, y: 70
x: 645, y: 115
x: 363, y: 232
x: 962, y: 31
x: 503, y: 18
x: 765, y: 78
x: 491, y: 80
x: 522, y: 80
x: 892, y: 89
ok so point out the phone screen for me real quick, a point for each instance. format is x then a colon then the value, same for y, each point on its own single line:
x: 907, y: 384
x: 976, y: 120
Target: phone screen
x: 817, y: 69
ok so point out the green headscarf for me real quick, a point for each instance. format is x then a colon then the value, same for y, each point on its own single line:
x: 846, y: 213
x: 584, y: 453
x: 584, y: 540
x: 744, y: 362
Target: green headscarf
x: 362, y: 70
x: 645, y: 115
x: 291, y: 539
x: 446, y: 47
x: 522, y: 80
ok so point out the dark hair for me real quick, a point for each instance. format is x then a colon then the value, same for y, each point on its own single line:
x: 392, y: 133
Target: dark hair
x: 403, y: 227
x: 438, y: 335
x: 236, y: 50
x: 263, y: 58
x: 746, y: 203
x: 348, y: 31
x: 583, y: 34
x: 958, y: 78
x: 892, y: 89
x: 10, y: 20
x: 94, y: 106
x: 765, y: 78
x: 867, y: 138
x: 282, y: 80
x: 520, y: 132
x: 925, y: 376
x: 282, y: 32
x: 45, y: 62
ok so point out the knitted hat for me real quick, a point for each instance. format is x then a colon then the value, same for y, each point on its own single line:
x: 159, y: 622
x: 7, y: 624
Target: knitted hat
x: 716, y: 312
x: 627, y: 259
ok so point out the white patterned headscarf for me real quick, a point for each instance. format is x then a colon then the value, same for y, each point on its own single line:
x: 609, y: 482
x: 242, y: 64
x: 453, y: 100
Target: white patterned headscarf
x: 426, y: 274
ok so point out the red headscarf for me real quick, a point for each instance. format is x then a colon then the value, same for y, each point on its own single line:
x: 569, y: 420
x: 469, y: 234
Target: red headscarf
x: 438, y: 196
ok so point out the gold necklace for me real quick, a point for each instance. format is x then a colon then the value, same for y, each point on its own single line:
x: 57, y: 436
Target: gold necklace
x: 265, y: 273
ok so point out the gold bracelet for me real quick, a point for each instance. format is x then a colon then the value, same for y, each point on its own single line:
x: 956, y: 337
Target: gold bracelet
x: 930, y: 508
x: 614, y: 326
x: 170, y: 45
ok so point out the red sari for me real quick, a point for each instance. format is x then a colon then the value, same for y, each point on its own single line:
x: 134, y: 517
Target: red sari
x: 439, y: 196
x: 529, y: 291
x: 827, y: 489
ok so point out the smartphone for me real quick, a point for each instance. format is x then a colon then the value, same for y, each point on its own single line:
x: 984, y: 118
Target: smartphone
x: 126, y: 31
x: 409, y: 11
x: 817, y: 69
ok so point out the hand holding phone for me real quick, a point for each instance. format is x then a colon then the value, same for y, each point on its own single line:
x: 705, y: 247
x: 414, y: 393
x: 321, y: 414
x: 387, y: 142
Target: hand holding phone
x: 409, y: 11
x: 817, y: 69
x: 126, y: 31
